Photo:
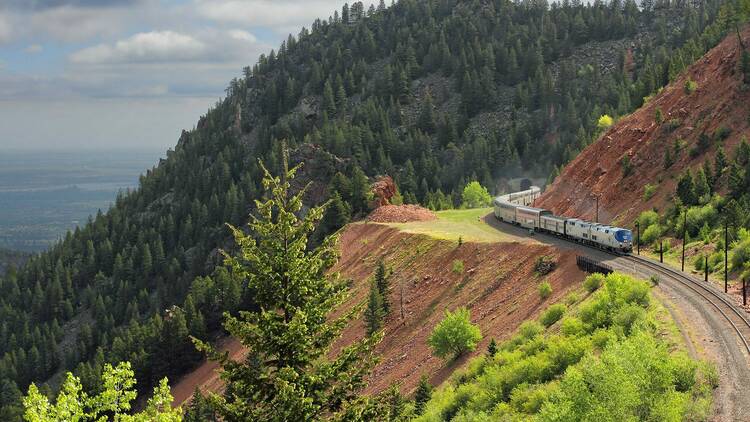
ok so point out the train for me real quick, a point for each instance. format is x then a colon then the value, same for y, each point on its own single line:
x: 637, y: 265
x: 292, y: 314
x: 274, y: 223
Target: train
x: 517, y: 208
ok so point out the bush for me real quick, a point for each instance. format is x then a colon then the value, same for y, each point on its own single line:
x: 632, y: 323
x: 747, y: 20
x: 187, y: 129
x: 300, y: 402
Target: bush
x: 458, y: 266
x: 455, y: 334
x: 651, y: 234
x: 545, y: 289
x: 627, y: 166
x: 475, y: 196
x: 659, y: 116
x: 571, y: 299
x: 593, y: 282
x: 648, y: 191
x: 530, y: 329
x: 552, y: 314
x: 690, y: 86
x: 571, y: 326
x: 722, y: 133
x: 605, y: 121
x: 648, y: 218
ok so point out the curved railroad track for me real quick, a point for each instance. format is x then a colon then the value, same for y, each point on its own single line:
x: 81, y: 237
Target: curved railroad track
x: 736, y: 318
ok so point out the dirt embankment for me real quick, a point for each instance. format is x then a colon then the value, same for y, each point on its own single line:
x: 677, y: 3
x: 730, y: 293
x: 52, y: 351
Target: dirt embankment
x: 497, y: 284
x: 718, y: 101
x: 400, y: 214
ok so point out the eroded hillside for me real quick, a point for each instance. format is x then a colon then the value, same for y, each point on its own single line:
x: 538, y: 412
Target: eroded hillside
x: 497, y: 284
x: 693, y: 123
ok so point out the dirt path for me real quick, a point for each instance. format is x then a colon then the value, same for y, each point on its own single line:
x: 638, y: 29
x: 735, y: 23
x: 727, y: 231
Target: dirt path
x: 710, y: 335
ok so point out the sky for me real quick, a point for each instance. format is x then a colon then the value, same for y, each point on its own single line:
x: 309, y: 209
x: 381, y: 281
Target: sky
x: 129, y: 74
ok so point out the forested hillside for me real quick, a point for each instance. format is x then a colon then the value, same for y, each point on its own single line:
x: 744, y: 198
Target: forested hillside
x: 433, y: 93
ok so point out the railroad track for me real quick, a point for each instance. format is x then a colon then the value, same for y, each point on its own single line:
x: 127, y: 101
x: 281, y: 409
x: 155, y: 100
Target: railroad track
x: 736, y: 318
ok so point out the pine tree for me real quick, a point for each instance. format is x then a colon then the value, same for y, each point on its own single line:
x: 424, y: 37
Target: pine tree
x: 686, y: 188
x: 426, y: 120
x: 423, y: 394
x: 374, y: 313
x: 329, y: 103
x: 383, y: 283
x: 287, y: 374
x: 492, y: 348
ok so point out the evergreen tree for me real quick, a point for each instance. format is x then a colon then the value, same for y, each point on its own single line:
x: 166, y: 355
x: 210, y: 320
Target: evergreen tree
x: 423, y: 394
x: 492, y: 348
x: 287, y: 374
x: 686, y: 188
x: 383, y: 283
x: 426, y: 120
x: 374, y: 313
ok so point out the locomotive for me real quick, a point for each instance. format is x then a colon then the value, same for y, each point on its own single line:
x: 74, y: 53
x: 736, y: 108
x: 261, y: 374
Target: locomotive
x: 516, y: 208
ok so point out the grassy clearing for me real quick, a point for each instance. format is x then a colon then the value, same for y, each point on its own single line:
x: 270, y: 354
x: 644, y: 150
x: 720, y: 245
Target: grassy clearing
x: 452, y: 224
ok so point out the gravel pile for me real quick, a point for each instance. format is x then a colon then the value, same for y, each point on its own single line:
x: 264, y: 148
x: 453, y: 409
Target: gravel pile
x: 400, y: 214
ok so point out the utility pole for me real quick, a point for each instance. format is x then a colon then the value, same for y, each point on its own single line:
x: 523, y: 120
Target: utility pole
x: 638, y: 236
x: 684, y: 240
x: 726, y: 254
x: 661, y: 251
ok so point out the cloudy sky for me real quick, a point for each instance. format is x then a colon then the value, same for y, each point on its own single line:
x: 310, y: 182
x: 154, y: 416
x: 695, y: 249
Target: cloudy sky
x: 129, y: 74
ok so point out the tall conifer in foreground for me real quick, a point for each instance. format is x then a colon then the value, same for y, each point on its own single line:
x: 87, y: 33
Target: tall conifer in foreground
x: 288, y: 374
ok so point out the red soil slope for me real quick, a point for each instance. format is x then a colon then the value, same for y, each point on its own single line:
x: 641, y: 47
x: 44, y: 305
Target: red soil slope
x: 497, y: 285
x: 718, y: 101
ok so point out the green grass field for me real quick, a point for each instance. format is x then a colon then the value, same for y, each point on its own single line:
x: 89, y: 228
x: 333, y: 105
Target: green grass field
x: 451, y: 224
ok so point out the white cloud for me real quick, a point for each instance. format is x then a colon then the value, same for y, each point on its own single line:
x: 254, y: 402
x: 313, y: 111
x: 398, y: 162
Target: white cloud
x: 145, y: 47
x: 34, y: 49
x: 77, y: 24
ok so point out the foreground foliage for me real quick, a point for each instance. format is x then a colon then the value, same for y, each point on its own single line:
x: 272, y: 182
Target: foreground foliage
x: 287, y: 375
x: 114, y: 402
x: 607, y: 363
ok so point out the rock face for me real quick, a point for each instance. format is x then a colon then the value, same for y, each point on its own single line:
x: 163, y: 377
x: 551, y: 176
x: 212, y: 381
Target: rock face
x: 383, y: 190
x: 600, y: 170
x: 318, y: 167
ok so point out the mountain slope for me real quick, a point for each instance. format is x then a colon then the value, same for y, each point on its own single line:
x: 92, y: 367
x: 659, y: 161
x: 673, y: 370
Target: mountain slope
x: 714, y: 115
x: 498, y: 285
x: 513, y: 87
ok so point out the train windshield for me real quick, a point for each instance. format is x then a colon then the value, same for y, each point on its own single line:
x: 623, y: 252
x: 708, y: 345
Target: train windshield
x: 624, y: 236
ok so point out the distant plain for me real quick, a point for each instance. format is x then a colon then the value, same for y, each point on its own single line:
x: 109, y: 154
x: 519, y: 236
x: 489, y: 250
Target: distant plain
x: 44, y: 194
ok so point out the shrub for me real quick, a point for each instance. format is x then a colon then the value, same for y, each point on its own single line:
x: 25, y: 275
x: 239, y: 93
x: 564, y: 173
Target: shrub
x: 458, y: 266
x: 690, y: 86
x: 552, y: 314
x: 455, y: 334
x: 659, y: 116
x: 601, y: 338
x: 648, y: 191
x: 605, y: 121
x: 648, y: 218
x: 627, y: 166
x: 593, y: 282
x: 651, y: 234
x: 571, y: 326
x: 722, y: 133
x: 628, y: 316
x: 544, y: 265
x: 673, y: 124
x: 529, y: 330
x: 571, y: 299
x: 475, y: 196
x: 545, y: 289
